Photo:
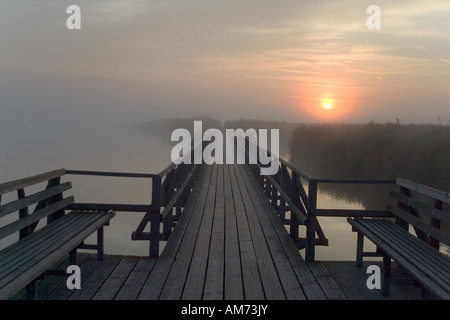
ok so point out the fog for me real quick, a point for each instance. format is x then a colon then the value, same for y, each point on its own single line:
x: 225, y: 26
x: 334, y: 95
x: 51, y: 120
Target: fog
x: 77, y: 98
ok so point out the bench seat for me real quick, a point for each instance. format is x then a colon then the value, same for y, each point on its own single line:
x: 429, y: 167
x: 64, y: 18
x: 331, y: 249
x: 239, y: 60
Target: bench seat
x: 423, y: 211
x: 428, y: 266
x: 27, y: 259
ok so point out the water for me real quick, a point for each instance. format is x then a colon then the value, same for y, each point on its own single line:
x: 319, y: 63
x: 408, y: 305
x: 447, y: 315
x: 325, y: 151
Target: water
x: 126, y: 149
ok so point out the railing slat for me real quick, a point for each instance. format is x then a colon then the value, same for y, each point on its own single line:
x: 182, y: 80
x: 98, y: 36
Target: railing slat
x: 25, y: 182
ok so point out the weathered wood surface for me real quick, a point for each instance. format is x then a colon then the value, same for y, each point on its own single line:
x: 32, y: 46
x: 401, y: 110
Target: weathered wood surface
x: 229, y: 244
x: 418, y: 253
x: 122, y: 277
x: 25, y: 182
x: 22, y: 262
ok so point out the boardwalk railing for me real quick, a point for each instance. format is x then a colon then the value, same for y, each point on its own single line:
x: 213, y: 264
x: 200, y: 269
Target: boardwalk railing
x: 170, y: 191
x: 314, y: 212
x: 286, y: 192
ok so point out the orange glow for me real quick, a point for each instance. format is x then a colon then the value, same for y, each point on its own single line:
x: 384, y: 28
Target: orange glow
x: 327, y: 100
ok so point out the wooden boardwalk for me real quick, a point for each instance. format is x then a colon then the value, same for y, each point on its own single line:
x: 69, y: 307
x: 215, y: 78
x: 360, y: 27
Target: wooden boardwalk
x: 228, y: 244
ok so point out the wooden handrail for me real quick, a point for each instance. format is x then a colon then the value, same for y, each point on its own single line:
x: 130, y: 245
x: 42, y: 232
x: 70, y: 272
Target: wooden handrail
x: 302, y: 218
x: 112, y: 174
x: 356, y: 181
x: 179, y: 192
x: 25, y: 182
x: 433, y: 193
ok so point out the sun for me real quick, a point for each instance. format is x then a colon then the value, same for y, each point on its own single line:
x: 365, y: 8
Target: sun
x: 327, y: 106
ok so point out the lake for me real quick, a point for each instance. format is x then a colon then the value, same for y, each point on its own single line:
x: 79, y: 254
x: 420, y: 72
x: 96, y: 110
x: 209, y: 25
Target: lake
x: 128, y: 150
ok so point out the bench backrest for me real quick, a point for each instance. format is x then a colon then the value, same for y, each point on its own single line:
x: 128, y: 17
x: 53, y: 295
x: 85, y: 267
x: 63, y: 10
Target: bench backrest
x: 49, y: 203
x: 423, y: 208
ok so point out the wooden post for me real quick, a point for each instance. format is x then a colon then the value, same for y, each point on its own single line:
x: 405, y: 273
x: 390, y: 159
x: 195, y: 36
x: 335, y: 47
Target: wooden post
x: 52, y: 183
x: 73, y: 257
x: 437, y: 224
x: 23, y: 213
x: 100, y: 244
x: 274, y: 197
x: 167, y: 224
x: 386, y: 274
x: 31, y: 292
x: 154, y: 217
x: 312, y: 220
x: 359, y: 249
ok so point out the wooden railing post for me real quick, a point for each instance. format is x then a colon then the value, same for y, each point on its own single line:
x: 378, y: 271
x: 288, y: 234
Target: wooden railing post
x: 52, y: 183
x: 23, y: 213
x: 155, y: 217
x: 312, y: 221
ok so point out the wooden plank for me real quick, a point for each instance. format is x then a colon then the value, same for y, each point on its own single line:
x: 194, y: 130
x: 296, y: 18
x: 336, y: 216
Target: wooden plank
x: 16, y: 247
x: 7, y: 208
x: 135, y: 281
x: 286, y: 274
x: 175, y: 283
x: 429, y: 284
x: 356, y: 181
x: 434, y: 232
x: 252, y: 283
x: 87, y: 266
x: 411, y: 249
x: 397, y: 292
x: 157, y: 279
x: 112, y: 174
x: 272, y: 287
x: 36, y: 216
x: 96, y: 279
x: 109, y: 207
x: 214, y: 283
x: 345, y: 282
x: 116, y: 279
x: 25, y: 182
x: 414, y: 250
x: 196, y: 277
x: 433, y: 193
x: 51, y: 282
x: 353, y: 213
x: 406, y: 244
x: 309, y: 284
x: 233, y: 289
x: 37, y: 244
x: 419, y: 247
x: 23, y: 264
x: 326, y: 281
x: 433, y: 212
x: 359, y: 278
x: 433, y: 265
x: 38, y: 265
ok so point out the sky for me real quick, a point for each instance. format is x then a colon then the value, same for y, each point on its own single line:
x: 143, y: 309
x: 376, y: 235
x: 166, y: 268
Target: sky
x: 71, y: 98
x: 135, y: 61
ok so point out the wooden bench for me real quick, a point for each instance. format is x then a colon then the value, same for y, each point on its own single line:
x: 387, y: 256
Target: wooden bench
x: 422, y: 208
x: 32, y: 242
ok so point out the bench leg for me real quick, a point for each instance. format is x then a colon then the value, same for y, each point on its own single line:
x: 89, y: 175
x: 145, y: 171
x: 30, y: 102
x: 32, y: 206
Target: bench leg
x: 386, y: 275
x: 100, y: 244
x: 31, y: 291
x: 73, y: 257
x: 359, y: 250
